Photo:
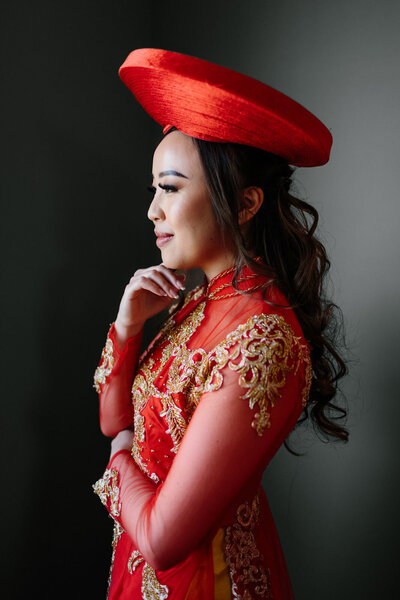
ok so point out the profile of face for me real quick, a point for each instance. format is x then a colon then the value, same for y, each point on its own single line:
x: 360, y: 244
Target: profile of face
x: 187, y: 231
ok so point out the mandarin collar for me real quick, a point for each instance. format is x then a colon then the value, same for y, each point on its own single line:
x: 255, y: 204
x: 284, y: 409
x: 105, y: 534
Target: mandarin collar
x: 220, y: 286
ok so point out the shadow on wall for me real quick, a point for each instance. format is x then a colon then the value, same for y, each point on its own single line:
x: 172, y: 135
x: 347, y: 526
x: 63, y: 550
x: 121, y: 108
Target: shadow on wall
x: 350, y: 492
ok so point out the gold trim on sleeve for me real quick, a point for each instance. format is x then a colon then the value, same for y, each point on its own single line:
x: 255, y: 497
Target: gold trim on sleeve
x: 107, y: 489
x: 106, y: 364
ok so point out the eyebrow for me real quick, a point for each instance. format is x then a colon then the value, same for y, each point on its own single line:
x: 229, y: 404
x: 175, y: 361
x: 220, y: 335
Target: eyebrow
x: 171, y: 172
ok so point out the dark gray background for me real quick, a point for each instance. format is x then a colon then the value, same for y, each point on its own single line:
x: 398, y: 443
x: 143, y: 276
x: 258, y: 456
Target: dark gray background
x: 76, y: 160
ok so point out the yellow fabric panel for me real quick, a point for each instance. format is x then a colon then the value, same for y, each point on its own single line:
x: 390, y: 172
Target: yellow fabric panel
x: 222, y: 582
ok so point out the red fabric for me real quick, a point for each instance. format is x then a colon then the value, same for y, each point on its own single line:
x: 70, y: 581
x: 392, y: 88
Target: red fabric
x: 115, y: 406
x: 191, y: 472
x: 213, y: 103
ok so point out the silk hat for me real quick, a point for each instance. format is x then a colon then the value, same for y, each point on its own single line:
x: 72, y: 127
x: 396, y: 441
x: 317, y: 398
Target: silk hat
x: 217, y: 104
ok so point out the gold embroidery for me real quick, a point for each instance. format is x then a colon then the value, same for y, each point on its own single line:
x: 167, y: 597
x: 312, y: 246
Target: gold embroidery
x: 215, y: 293
x: 144, y: 385
x: 106, y: 365
x: 219, y: 276
x: 263, y: 351
x: 190, y: 296
x: 194, y: 294
x: 170, y: 324
x: 151, y: 587
x: 158, y: 340
x: 174, y: 336
x: 140, y: 461
x: 135, y: 559
x: 249, y: 577
x: 175, y: 420
x: 185, y: 330
x: 177, y: 350
x: 187, y: 375
x: 107, y: 489
x: 118, y: 531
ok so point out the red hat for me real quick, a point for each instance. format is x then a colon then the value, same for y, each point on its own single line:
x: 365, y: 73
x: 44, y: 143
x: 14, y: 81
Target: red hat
x: 216, y: 104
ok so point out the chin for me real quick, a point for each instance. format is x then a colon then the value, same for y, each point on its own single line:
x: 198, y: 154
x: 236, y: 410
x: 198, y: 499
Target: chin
x: 170, y: 262
x: 175, y: 262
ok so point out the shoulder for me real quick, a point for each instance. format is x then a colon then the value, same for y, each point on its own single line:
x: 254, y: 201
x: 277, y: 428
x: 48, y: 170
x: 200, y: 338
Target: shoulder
x: 270, y: 304
x: 271, y: 358
x: 263, y: 339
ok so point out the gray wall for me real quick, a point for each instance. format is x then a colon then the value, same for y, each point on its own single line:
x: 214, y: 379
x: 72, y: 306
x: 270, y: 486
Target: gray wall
x: 75, y: 163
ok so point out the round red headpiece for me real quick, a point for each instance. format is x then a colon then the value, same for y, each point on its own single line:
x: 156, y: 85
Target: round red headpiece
x: 216, y: 104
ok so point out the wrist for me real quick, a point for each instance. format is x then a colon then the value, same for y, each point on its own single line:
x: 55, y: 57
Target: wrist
x: 116, y: 453
x: 123, y: 333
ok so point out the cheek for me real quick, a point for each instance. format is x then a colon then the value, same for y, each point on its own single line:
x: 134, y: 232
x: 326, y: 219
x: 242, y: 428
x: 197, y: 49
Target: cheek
x: 193, y: 217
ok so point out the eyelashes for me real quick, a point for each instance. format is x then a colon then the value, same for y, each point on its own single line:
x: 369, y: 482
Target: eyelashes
x: 167, y: 188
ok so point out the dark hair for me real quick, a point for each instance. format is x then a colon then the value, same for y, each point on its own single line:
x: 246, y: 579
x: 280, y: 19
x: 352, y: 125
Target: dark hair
x: 282, y: 234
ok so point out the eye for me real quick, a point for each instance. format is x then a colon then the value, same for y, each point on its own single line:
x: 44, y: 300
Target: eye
x: 168, y: 188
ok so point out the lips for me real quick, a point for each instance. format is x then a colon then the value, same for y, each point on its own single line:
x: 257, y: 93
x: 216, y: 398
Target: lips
x: 163, y: 238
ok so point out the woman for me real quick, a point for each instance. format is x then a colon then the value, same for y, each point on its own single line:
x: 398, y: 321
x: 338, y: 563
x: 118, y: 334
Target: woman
x: 198, y: 417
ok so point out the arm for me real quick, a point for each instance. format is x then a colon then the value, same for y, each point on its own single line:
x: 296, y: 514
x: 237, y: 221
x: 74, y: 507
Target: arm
x: 113, y: 382
x: 148, y: 292
x: 224, y: 445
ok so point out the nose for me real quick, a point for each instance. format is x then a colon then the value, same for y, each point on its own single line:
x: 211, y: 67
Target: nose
x: 155, y: 212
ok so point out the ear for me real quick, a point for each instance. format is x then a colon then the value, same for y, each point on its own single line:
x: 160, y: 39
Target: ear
x: 252, y: 199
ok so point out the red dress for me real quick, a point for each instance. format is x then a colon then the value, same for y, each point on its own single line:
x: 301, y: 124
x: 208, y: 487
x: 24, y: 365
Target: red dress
x: 211, y: 401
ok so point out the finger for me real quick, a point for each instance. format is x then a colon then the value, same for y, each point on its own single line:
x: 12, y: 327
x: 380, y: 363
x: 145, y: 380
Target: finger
x: 174, y: 278
x: 164, y: 283
x: 177, y: 271
x: 152, y: 286
x: 166, y: 279
x: 141, y: 283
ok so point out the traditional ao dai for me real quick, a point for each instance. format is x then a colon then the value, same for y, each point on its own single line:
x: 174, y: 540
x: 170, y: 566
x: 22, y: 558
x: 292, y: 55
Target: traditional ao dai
x: 211, y: 400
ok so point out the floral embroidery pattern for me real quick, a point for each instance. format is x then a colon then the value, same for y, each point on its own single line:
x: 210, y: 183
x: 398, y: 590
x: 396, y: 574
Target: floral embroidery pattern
x: 249, y: 578
x: 106, y: 365
x: 134, y: 561
x: 151, y: 587
x: 117, y: 533
x: 263, y: 351
x: 172, y: 343
x: 108, y: 491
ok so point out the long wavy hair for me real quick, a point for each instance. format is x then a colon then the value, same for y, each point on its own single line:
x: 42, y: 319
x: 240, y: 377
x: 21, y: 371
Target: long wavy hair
x: 282, y: 233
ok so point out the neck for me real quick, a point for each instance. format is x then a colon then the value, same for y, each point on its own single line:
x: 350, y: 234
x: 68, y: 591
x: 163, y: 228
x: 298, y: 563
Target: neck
x: 216, y: 267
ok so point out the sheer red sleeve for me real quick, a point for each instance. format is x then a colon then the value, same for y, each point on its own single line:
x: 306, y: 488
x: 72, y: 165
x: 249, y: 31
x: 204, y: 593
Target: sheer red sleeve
x: 253, y: 398
x: 113, y: 381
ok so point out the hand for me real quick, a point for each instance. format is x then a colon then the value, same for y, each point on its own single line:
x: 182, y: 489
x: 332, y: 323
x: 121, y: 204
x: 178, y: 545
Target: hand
x: 148, y: 292
x: 122, y: 441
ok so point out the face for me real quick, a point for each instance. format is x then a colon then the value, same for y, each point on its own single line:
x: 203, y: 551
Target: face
x: 186, y: 227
